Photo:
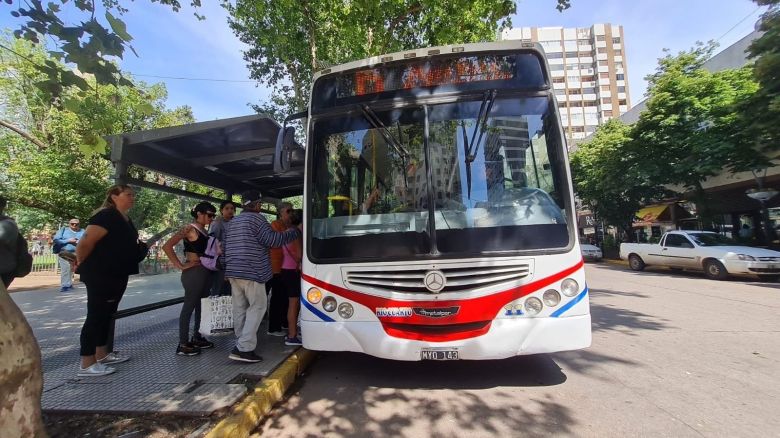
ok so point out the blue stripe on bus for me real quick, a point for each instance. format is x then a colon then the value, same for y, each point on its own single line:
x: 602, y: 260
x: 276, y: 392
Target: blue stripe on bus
x: 316, y: 311
x: 570, y: 304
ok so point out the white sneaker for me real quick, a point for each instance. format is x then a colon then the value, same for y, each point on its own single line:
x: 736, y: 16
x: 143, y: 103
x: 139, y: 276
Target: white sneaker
x: 97, y: 369
x: 113, y: 357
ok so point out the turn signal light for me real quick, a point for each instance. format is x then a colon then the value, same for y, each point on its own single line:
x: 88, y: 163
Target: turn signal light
x: 314, y: 295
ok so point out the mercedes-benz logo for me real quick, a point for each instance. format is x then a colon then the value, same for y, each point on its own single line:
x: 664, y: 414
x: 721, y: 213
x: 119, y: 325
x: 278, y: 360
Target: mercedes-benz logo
x: 435, y: 281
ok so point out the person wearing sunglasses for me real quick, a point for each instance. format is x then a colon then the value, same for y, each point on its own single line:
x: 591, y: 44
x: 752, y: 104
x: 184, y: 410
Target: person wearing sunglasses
x: 195, y: 278
x: 65, y: 242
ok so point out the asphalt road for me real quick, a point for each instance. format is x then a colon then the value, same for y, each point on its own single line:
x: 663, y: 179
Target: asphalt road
x: 672, y: 355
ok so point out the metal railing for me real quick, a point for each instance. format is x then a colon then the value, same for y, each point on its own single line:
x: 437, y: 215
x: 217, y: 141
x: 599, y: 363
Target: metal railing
x: 135, y: 311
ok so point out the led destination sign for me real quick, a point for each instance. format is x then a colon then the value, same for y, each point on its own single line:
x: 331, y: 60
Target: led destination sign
x: 428, y: 73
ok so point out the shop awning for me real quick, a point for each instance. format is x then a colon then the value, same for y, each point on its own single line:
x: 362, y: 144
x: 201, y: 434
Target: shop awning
x: 660, y: 213
x: 651, y: 213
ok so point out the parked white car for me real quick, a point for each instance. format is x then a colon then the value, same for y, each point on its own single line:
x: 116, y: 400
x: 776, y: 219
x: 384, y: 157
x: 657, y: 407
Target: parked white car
x: 717, y: 255
x: 591, y: 252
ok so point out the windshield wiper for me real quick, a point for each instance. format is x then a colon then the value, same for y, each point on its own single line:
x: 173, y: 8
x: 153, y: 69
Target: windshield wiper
x: 399, y: 149
x: 372, y: 118
x: 482, y: 118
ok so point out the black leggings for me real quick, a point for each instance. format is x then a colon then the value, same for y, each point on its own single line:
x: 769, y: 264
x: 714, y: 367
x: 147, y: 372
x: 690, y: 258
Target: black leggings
x: 196, y: 281
x: 103, y: 296
x: 277, y: 308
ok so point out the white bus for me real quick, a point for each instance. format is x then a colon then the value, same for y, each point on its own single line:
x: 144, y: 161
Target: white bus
x: 439, y: 215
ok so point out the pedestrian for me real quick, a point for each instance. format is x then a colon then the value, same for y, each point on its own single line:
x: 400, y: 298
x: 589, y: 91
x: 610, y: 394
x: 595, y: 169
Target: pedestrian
x: 277, y: 308
x: 291, y: 278
x: 9, y: 236
x: 65, y: 242
x: 247, y: 241
x: 107, y: 254
x: 227, y: 210
x: 195, y: 278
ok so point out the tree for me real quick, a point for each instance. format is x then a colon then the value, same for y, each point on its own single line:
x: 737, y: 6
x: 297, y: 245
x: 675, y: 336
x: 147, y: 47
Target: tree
x: 608, y: 178
x: 55, y: 147
x: 21, y: 376
x: 289, y: 40
x: 692, y: 128
x: 762, y: 111
x: 86, y: 44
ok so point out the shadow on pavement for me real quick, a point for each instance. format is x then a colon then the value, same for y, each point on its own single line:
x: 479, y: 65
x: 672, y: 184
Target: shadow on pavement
x: 363, y: 396
x: 629, y: 322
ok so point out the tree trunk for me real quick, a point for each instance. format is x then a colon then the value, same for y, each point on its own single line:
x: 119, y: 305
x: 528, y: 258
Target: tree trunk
x: 702, y: 207
x: 21, y: 376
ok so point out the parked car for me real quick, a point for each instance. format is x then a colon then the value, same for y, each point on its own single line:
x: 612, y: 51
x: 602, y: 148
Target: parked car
x: 591, y: 252
x: 717, y: 255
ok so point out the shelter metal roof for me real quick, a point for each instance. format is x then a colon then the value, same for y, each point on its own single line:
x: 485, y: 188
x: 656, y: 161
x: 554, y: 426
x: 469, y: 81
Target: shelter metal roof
x: 233, y: 155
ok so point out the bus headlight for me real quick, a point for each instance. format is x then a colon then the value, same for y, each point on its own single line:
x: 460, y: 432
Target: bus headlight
x: 314, y: 295
x: 346, y: 310
x: 551, y: 298
x: 533, y: 306
x: 329, y: 304
x: 569, y: 287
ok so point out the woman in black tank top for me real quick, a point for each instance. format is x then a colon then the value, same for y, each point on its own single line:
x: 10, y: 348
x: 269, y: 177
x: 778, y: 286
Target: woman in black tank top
x: 195, y: 279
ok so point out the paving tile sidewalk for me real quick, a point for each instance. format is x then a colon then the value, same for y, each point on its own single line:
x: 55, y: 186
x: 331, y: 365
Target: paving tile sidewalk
x: 155, y: 379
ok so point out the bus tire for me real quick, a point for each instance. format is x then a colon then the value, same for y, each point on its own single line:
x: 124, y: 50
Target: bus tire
x: 715, y: 270
x: 636, y: 263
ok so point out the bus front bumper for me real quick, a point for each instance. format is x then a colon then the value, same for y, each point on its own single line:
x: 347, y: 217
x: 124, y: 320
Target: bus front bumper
x: 506, y: 338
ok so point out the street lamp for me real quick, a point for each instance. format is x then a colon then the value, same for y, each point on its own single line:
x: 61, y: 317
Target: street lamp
x: 762, y: 195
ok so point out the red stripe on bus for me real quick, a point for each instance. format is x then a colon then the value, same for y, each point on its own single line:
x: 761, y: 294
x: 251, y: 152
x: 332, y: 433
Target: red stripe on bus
x: 471, y: 310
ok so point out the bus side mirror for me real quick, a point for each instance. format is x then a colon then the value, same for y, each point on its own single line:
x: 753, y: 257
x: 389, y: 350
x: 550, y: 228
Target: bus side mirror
x: 285, y: 142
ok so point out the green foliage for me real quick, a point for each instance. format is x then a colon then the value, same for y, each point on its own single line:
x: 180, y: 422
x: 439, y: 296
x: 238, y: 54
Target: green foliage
x: 691, y: 128
x: 762, y: 111
x: 289, y: 40
x: 55, y: 149
x: 697, y: 124
x: 609, y: 178
x: 87, y: 45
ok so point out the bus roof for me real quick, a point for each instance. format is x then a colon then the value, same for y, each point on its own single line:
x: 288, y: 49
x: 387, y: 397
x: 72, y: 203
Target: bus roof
x: 431, y: 51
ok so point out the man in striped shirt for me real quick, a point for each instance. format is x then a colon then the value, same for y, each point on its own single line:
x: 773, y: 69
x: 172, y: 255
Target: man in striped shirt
x: 248, y: 238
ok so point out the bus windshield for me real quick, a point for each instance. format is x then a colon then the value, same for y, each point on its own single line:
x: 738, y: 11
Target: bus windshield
x: 488, y: 178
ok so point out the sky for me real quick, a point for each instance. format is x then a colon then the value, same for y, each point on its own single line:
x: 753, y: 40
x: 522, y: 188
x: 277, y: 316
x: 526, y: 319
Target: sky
x: 177, y: 45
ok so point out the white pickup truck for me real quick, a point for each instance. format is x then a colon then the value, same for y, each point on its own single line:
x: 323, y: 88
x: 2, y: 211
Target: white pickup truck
x: 717, y: 255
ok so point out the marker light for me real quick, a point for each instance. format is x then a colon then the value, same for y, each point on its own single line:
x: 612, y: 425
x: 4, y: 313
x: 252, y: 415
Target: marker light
x: 569, y: 287
x: 551, y: 298
x: 314, y: 295
x: 533, y: 306
x: 346, y: 310
x: 329, y: 304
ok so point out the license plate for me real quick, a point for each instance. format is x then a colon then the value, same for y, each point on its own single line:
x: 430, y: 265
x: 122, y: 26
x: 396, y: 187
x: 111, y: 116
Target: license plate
x: 439, y: 355
x: 771, y: 266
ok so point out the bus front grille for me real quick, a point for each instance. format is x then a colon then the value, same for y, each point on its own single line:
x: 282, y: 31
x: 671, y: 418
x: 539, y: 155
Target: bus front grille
x: 459, y: 277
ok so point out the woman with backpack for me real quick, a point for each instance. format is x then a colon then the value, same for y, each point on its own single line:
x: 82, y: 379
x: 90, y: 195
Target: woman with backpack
x: 195, y: 277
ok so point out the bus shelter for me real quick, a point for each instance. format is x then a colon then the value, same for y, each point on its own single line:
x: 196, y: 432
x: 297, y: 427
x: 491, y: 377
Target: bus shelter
x: 231, y: 155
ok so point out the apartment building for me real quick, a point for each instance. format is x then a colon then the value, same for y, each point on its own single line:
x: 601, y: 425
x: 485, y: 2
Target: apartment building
x: 589, y: 73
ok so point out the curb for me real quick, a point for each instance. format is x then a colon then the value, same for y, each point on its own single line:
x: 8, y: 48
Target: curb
x: 615, y: 262
x: 245, y: 416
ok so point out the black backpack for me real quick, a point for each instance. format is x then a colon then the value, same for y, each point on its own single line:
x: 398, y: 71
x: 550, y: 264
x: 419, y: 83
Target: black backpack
x: 24, y: 260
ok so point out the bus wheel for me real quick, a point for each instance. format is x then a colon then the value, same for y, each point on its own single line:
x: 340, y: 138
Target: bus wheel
x: 636, y: 263
x: 715, y: 270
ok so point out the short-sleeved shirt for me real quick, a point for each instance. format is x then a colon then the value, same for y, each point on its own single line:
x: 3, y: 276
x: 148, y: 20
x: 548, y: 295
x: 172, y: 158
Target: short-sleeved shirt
x: 116, y: 254
x: 276, y: 253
